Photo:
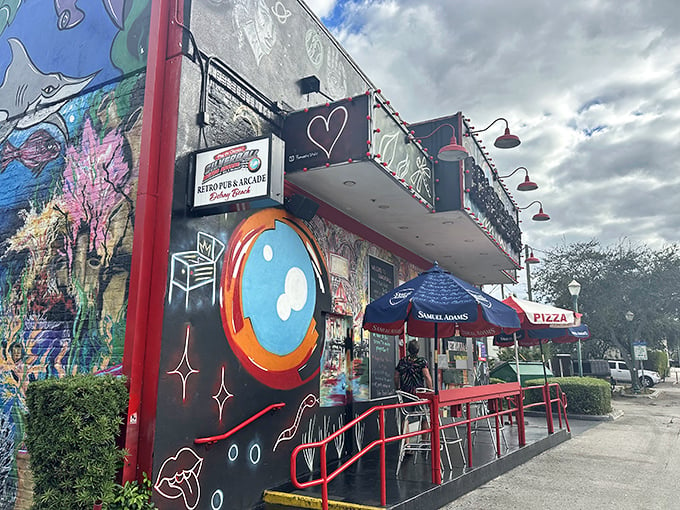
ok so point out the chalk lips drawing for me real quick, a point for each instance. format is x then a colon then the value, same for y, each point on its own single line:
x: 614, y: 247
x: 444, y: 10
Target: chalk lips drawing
x: 178, y: 477
x: 39, y: 149
x: 325, y: 132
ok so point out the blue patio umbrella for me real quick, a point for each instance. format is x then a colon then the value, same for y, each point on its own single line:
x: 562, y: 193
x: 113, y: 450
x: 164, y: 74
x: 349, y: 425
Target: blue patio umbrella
x: 436, y: 304
x: 528, y: 337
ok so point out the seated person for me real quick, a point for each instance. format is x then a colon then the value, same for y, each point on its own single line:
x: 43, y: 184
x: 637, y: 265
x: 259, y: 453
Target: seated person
x: 412, y: 371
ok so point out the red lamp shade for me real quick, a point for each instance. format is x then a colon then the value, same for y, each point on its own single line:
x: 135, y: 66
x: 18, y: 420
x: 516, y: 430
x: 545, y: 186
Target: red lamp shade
x: 507, y: 140
x: 452, y: 152
x: 540, y: 216
x: 527, y: 185
x: 531, y: 259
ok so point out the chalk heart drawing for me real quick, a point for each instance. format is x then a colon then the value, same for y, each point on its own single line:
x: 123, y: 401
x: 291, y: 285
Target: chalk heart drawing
x: 322, y: 130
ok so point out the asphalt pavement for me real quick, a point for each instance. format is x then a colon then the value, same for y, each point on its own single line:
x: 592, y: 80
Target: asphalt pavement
x: 631, y: 462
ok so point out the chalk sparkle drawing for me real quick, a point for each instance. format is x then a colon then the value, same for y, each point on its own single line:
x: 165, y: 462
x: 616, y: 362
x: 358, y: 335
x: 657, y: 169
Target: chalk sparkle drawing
x: 321, y: 130
x: 178, y: 477
x: 222, y: 395
x: 184, y: 369
x: 288, y: 434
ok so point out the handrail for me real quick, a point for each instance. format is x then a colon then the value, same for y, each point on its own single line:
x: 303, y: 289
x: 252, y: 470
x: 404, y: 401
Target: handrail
x: 214, y: 439
x: 446, y: 398
x: 322, y: 444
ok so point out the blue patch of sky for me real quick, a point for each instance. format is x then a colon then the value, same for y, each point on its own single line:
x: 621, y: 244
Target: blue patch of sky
x: 593, y: 130
x: 585, y: 106
x: 338, y: 18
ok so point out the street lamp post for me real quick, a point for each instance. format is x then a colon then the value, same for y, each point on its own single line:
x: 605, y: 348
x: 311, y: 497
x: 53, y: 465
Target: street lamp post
x: 635, y: 383
x: 575, y: 289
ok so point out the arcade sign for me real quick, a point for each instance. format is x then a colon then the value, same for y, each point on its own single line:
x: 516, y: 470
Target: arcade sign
x: 247, y: 174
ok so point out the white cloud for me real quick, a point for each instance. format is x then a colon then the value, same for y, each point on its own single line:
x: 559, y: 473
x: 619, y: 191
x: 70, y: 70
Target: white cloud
x: 321, y: 8
x: 591, y: 87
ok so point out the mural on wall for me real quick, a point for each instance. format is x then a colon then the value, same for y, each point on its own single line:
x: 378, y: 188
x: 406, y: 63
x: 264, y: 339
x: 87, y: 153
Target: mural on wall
x: 242, y: 379
x: 274, y: 288
x: 333, y: 384
x: 349, y: 256
x: 70, y: 130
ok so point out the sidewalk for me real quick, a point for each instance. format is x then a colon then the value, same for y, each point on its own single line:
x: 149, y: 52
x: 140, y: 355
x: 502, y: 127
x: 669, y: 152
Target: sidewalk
x: 631, y: 462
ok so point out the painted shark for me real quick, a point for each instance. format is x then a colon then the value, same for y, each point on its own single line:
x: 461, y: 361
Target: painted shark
x: 28, y: 96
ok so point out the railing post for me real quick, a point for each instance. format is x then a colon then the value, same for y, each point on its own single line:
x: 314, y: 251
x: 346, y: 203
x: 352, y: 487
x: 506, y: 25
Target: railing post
x: 498, y: 431
x: 383, y: 489
x: 548, y: 408
x: 435, y: 439
x: 469, y: 434
x: 324, y: 477
x: 521, y: 432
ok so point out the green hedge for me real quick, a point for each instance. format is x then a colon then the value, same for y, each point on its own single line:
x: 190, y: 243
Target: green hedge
x: 585, y: 395
x: 657, y: 361
x: 71, y: 431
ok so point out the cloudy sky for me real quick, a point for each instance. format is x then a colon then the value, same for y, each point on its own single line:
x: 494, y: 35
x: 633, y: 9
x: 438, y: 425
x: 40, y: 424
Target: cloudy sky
x: 592, y: 88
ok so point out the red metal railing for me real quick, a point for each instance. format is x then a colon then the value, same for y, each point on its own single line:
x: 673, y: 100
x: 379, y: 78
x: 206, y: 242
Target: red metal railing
x: 214, y: 439
x: 326, y: 477
x: 560, y: 399
x: 493, y: 395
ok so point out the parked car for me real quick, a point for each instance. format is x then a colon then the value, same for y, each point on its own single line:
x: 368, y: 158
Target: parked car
x: 621, y: 374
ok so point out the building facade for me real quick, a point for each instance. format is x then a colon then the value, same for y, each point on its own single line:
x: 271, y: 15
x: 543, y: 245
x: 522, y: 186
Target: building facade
x: 207, y: 194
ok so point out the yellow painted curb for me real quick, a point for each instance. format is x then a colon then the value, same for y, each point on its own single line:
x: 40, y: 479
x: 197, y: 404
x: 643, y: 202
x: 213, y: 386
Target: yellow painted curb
x: 300, y: 501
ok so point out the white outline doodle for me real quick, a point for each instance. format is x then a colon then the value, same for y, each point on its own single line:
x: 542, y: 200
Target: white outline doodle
x: 233, y: 457
x: 184, y: 362
x: 287, y: 434
x: 308, y: 437
x: 219, y: 493
x: 282, y: 14
x: 259, y: 454
x: 182, y: 482
x: 326, y: 121
x: 221, y: 401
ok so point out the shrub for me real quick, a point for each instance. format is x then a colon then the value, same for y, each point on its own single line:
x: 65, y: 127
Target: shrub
x: 132, y: 496
x: 71, y: 431
x: 585, y: 395
x: 657, y: 361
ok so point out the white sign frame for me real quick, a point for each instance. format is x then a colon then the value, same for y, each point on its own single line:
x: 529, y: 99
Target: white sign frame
x: 248, y: 171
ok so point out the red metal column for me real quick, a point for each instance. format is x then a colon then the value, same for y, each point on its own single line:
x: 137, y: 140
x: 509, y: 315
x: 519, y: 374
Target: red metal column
x: 521, y: 432
x: 151, y: 237
x: 435, y: 439
x: 548, y: 408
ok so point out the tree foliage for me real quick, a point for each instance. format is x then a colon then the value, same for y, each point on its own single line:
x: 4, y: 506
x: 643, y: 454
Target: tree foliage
x: 614, y: 280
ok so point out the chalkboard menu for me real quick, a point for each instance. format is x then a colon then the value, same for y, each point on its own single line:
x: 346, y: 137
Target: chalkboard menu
x: 382, y: 347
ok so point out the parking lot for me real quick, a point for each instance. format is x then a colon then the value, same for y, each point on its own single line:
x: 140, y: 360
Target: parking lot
x: 631, y: 462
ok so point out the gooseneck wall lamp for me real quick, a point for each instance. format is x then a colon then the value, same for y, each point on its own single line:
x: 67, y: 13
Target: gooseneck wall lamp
x: 506, y: 140
x: 451, y: 152
x: 527, y: 185
x: 540, y: 215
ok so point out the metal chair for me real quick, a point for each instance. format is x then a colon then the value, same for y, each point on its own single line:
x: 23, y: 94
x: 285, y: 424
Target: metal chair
x: 445, y: 440
x: 481, y: 409
x: 411, y: 420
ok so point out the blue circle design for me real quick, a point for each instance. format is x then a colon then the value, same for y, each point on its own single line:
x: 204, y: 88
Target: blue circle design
x: 264, y: 283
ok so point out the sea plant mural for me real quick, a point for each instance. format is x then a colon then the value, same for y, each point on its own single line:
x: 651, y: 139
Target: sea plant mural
x: 64, y: 262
